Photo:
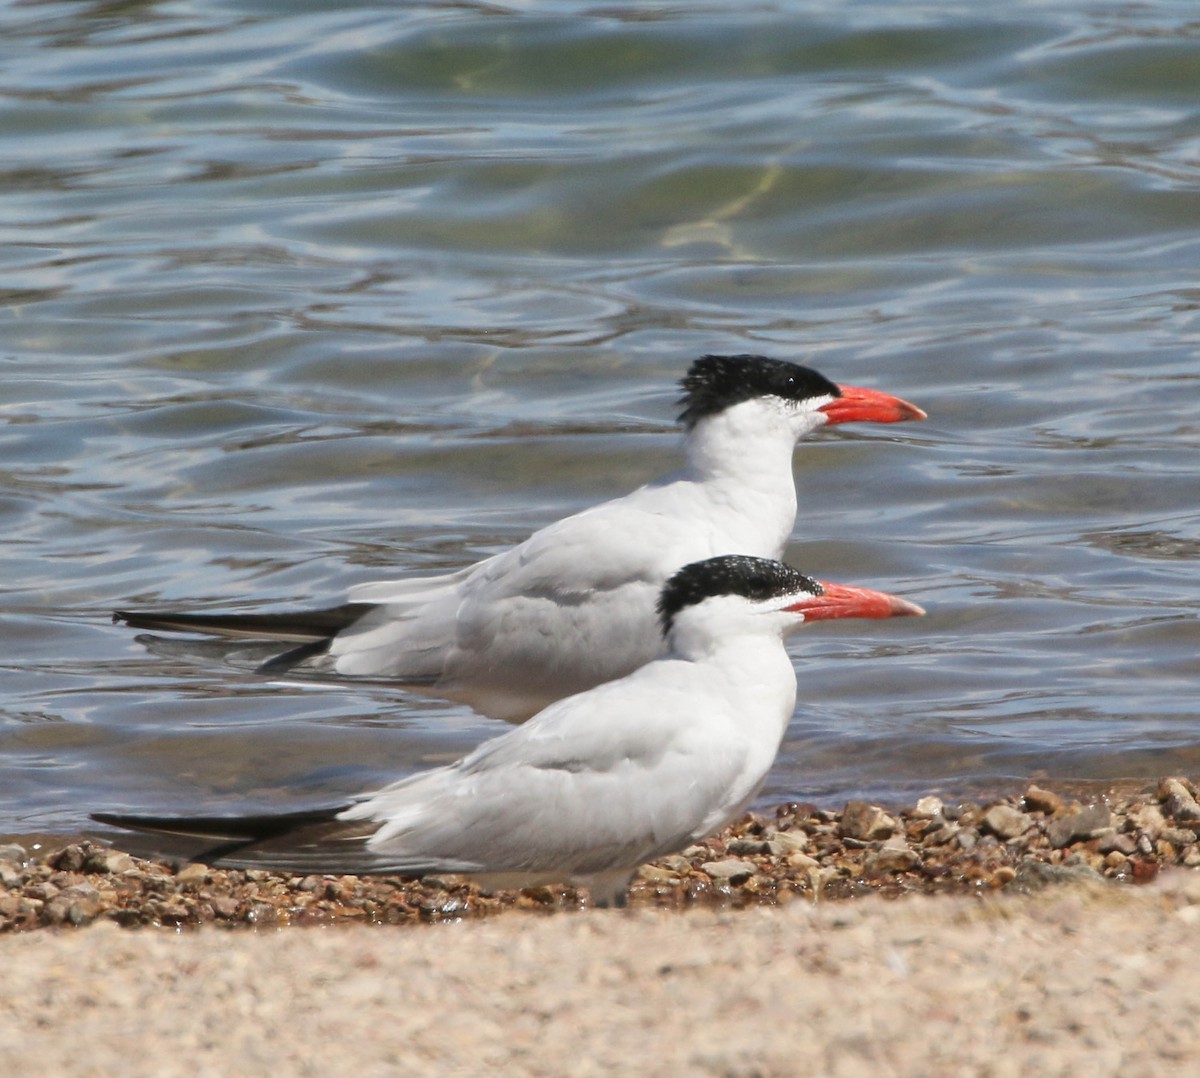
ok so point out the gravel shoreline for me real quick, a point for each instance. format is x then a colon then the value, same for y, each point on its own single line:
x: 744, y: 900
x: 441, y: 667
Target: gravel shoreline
x: 1022, y: 842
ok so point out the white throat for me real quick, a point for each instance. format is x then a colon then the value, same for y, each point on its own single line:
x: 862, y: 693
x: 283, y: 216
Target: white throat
x: 743, y: 457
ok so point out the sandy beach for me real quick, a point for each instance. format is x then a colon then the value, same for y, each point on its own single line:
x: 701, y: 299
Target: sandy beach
x: 1095, y: 979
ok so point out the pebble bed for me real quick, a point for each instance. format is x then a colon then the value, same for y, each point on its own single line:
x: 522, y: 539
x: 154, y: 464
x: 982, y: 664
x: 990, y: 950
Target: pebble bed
x: 1023, y: 842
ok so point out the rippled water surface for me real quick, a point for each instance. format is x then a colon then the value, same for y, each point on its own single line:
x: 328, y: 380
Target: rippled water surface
x: 299, y: 295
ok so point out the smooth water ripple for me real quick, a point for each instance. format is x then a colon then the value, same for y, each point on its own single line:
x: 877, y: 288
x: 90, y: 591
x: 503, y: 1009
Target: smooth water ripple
x: 298, y: 297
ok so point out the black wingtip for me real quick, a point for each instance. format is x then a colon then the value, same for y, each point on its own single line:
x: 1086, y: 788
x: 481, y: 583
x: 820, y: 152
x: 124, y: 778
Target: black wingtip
x: 229, y: 828
x: 282, y: 842
x: 282, y: 664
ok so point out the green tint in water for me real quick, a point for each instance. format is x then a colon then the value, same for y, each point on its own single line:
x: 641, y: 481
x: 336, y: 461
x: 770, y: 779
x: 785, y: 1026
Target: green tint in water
x: 297, y: 297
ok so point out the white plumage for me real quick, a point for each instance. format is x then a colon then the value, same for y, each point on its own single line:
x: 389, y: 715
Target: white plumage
x: 573, y: 605
x: 596, y: 783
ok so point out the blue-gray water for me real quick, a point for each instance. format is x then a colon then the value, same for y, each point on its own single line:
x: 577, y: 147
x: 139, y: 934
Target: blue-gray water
x: 297, y: 295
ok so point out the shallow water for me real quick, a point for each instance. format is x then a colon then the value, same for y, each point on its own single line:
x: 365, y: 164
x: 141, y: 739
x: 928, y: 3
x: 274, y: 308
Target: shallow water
x: 295, y: 298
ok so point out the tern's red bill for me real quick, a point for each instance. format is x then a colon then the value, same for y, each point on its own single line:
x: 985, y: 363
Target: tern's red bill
x: 845, y: 601
x: 858, y: 405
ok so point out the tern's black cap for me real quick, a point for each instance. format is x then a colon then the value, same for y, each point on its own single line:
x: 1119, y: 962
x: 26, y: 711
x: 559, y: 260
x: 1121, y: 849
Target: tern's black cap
x: 714, y: 383
x: 730, y: 574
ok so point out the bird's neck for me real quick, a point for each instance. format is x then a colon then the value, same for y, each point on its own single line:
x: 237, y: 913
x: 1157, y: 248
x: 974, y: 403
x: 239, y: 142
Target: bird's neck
x: 754, y: 669
x: 746, y: 465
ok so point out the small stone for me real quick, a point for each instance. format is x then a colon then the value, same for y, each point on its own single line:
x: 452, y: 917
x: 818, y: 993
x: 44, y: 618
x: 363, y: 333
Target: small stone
x: 928, y: 807
x: 335, y: 891
x: 14, y: 853
x: 43, y: 891
x: 192, y: 876
x: 68, y: 859
x: 10, y: 874
x: 1005, y: 822
x: 1079, y: 825
x: 445, y: 883
x: 802, y: 860
x: 749, y: 847
x: 173, y: 913
x: 1178, y: 801
x: 939, y: 832
x: 865, y: 822
x: 761, y: 885
x: 890, y: 859
x: 1149, y: 819
x: 1176, y: 784
x: 730, y: 869
x: 1038, y: 800
x: 77, y: 905
x: 969, y: 814
x: 1144, y: 871
x: 225, y: 906
x: 966, y: 837
x: 1123, y: 845
x: 103, y: 860
x: 789, y: 842
x: 1178, y: 835
x: 56, y: 910
x: 1034, y: 875
x: 83, y: 911
x: 656, y: 874
x: 676, y: 862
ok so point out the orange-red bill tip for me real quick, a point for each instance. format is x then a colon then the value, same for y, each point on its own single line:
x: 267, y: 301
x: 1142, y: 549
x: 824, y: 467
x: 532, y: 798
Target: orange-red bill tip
x: 858, y: 405
x: 846, y: 601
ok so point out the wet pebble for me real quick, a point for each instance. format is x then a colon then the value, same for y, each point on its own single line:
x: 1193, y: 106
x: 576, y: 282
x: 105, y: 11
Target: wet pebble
x: 730, y: 869
x: 1078, y: 825
x: 1045, y: 801
x: 929, y: 806
x: 1005, y: 822
x: 1179, y: 800
x: 865, y: 822
x: 12, y: 853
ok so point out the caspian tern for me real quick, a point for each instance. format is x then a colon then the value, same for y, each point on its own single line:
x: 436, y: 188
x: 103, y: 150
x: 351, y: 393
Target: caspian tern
x: 594, y: 785
x: 573, y: 605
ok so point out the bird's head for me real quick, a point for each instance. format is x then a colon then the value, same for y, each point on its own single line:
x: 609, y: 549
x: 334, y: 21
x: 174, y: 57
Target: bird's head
x: 735, y: 593
x: 798, y: 396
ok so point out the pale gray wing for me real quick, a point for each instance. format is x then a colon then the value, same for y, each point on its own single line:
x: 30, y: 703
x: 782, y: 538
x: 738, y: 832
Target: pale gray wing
x: 598, y: 781
x: 542, y: 606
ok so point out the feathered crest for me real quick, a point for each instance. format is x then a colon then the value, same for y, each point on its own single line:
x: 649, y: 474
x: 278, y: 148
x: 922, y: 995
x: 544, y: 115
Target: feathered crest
x: 714, y: 383
x: 730, y: 574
